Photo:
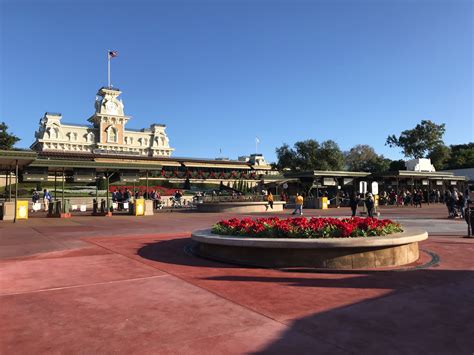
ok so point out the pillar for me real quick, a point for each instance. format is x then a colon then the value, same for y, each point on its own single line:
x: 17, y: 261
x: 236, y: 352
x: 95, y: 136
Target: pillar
x: 16, y: 188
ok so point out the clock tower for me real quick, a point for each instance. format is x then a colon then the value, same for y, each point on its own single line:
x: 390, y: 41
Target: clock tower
x: 109, y: 118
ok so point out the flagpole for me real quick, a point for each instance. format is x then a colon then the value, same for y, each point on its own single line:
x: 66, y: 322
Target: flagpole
x: 108, y: 68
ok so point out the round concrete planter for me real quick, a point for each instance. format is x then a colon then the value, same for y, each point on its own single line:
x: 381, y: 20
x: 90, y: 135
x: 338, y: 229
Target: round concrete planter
x: 328, y: 253
x: 240, y: 206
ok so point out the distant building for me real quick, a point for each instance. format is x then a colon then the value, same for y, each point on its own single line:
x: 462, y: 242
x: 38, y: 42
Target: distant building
x: 422, y: 165
x: 105, y: 135
x: 467, y: 172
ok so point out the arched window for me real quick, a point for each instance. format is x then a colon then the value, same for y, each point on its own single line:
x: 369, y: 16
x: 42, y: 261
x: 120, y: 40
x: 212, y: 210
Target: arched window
x: 112, y: 134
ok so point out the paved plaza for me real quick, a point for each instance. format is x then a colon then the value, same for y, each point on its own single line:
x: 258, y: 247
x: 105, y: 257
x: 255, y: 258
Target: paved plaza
x: 129, y: 285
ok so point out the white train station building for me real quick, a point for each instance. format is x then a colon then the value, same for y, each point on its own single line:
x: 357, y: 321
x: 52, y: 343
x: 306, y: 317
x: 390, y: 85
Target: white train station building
x: 105, y: 134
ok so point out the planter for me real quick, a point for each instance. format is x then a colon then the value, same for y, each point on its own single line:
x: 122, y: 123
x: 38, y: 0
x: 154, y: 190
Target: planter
x: 327, y: 253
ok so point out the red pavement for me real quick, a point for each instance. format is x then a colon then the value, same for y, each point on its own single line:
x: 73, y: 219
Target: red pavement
x: 126, y: 285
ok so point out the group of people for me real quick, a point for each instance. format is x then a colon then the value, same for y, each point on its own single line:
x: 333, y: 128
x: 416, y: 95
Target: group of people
x: 121, y: 197
x: 354, y: 201
x: 36, y: 198
x: 299, y: 200
x: 369, y: 202
x: 457, y: 203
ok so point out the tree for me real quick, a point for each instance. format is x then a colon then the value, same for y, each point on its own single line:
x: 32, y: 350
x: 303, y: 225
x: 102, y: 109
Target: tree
x: 307, y: 154
x: 462, y: 156
x: 286, y: 157
x: 439, y: 156
x: 7, y: 140
x: 396, y: 165
x: 363, y: 157
x: 419, y: 141
x: 310, y: 155
x: 330, y: 156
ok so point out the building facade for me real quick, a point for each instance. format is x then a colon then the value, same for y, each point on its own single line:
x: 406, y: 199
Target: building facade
x: 106, y: 133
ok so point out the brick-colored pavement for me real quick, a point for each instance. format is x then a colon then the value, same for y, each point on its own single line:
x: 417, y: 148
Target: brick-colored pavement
x: 126, y: 285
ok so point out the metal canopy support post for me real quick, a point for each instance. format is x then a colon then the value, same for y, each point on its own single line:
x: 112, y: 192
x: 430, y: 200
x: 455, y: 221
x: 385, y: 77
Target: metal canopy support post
x: 444, y: 191
x: 147, y: 184
x: 429, y: 192
x: 96, y: 189
x: 6, y: 184
x: 107, y: 193
x: 63, y: 208
x: 9, y: 185
x: 55, y: 185
x: 16, y: 189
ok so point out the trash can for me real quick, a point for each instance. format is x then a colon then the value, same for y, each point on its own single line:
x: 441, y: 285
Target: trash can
x: 57, y: 208
x: 103, y: 206
x: 322, y: 203
x: 54, y: 208
x: 95, y: 206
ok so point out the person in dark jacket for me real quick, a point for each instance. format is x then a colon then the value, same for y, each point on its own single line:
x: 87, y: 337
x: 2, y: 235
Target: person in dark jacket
x: 353, y: 203
x: 370, y: 203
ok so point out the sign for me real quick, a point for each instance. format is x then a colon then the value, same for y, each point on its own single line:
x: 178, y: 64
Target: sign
x: 21, y: 209
x: 329, y: 182
x: 347, y: 181
x: 140, y: 207
x: 285, y: 185
x: 453, y: 182
x: 439, y: 182
x: 113, y: 152
x: 363, y: 187
x: 375, y: 188
x: 424, y: 182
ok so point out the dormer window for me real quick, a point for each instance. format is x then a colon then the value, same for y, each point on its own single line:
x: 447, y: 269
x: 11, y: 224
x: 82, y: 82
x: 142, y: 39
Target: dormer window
x: 52, y: 132
x: 90, y: 137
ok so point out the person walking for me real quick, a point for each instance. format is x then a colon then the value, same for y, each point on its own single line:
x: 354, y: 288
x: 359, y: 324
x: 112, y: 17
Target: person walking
x: 46, y: 199
x: 270, y: 201
x: 370, y: 203
x: 35, y: 199
x: 353, y: 203
x: 299, y: 204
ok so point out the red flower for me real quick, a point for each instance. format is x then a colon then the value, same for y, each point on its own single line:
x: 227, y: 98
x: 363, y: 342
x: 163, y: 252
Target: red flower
x: 306, y: 228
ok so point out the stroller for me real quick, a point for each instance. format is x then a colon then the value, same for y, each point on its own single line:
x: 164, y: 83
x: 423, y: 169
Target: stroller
x: 158, y: 204
x: 176, y: 202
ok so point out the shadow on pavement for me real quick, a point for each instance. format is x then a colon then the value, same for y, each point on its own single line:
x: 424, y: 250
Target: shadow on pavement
x: 174, y: 252
x: 428, y: 311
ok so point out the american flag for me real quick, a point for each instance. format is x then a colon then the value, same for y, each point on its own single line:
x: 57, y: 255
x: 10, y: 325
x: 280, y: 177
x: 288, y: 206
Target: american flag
x: 113, y: 54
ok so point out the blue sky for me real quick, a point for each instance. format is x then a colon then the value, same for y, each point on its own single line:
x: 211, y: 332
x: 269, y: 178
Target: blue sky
x: 219, y: 73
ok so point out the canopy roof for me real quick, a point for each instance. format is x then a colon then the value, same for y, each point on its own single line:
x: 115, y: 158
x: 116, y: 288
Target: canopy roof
x: 9, y: 158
